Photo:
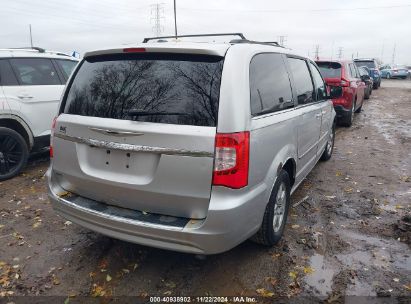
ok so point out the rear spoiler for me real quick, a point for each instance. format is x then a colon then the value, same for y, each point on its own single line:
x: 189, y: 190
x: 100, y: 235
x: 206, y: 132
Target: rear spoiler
x: 175, y: 49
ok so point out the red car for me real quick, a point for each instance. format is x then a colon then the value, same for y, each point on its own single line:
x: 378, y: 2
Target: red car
x: 346, y: 75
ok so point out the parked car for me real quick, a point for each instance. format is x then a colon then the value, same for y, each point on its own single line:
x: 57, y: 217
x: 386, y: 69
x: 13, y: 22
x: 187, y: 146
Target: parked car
x: 394, y: 71
x: 192, y: 147
x: 365, y: 77
x: 374, y: 71
x: 31, y: 84
x: 346, y: 75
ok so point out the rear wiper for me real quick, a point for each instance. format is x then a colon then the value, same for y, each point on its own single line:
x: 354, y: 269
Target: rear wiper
x: 134, y: 112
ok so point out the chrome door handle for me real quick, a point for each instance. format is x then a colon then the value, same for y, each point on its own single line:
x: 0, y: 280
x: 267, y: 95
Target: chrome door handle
x: 324, y: 112
x: 318, y: 115
x: 24, y: 96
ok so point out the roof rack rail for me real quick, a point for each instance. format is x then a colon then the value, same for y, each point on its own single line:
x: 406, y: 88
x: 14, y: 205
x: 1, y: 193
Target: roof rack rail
x: 38, y: 49
x: 198, y: 35
x: 272, y: 43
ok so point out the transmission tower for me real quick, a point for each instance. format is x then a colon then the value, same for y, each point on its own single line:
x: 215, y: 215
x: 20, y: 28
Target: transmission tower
x: 157, y: 17
x: 317, y: 52
x: 393, y: 53
x: 282, y: 40
x: 340, y: 52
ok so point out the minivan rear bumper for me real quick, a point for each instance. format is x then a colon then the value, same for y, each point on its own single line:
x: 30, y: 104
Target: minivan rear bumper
x: 226, y: 225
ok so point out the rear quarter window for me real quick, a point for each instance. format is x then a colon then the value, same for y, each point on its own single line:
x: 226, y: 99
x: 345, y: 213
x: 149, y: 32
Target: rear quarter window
x: 270, y: 88
x: 162, y: 88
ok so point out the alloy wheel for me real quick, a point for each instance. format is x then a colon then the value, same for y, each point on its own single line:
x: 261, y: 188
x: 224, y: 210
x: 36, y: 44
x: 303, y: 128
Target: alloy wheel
x: 11, y: 154
x: 279, y: 207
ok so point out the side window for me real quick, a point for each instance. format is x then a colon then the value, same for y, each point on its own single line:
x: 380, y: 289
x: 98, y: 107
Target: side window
x: 7, y: 77
x: 319, y: 83
x: 66, y: 66
x: 270, y: 88
x: 302, y: 80
x: 35, y: 71
x: 353, y: 72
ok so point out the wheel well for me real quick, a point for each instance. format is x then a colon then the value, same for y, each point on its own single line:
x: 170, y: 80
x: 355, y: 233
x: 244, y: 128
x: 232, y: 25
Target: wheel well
x: 16, y: 126
x: 290, y: 167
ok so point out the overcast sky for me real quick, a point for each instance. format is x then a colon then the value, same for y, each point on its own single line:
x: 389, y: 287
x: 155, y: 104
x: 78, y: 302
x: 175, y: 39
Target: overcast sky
x: 369, y: 27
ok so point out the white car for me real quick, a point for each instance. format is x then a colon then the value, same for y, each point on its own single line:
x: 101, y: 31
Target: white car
x: 31, y: 84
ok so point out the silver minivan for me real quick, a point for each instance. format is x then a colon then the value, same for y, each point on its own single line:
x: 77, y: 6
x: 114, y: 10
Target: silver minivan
x: 187, y: 146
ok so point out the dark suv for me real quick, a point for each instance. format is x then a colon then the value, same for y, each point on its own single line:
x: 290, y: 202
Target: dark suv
x: 372, y: 65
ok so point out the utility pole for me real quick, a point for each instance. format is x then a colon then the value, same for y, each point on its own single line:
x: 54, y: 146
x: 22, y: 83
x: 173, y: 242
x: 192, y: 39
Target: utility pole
x: 340, y: 52
x: 31, y: 37
x: 317, y: 52
x: 175, y: 19
x: 393, y: 53
x: 282, y: 40
x: 157, y: 13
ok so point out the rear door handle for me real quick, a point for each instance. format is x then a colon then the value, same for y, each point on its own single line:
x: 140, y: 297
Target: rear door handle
x: 25, y: 96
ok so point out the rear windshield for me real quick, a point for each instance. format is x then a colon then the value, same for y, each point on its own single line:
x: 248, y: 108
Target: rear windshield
x: 162, y: 88
x: 367, y: 63
x: 330, y: 69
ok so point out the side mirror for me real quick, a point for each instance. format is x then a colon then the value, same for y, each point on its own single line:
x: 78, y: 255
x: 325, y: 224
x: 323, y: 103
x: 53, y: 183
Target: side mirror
x: 335, y: 92
x: 365, y: 77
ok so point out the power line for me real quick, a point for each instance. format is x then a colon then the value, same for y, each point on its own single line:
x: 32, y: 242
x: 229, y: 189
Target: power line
x: 300, y: 10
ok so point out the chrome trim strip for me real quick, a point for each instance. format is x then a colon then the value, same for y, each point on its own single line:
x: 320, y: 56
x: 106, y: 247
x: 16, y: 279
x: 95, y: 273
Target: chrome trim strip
x: 133, y: 148
x: 116, y: 218
x: 115, y: 133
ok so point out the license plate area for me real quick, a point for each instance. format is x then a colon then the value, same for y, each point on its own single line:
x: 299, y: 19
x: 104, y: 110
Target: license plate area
x: 118, y: 165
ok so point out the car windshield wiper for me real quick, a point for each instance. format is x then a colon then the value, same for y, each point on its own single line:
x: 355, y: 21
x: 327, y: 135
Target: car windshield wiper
x: 134, y: 112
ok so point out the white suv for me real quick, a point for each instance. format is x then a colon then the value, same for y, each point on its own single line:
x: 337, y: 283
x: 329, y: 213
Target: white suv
x: 31, y: 84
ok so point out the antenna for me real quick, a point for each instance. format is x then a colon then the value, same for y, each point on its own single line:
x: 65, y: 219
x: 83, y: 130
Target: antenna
x: 31, y: 37
x: 175, y: 19
x: 157, y: 13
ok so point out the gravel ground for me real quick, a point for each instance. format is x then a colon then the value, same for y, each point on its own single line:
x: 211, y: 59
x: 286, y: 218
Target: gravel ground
x: 348, y: 236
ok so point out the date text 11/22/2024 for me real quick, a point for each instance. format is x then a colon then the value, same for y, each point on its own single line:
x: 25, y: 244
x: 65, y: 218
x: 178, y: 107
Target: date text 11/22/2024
x: 203, y: 299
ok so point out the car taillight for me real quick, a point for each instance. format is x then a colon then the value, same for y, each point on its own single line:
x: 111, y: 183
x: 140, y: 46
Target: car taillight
x: 53, y: 126
x: 134, y: 50
x: 231, y: 159
x: 345, y: 83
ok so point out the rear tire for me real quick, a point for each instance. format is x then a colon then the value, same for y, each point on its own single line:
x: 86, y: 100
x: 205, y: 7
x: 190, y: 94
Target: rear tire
x: 329, y: 148
x: 367, y: 94
x: 13, y: 153
x: 347, y: 121
x: 275, y: 215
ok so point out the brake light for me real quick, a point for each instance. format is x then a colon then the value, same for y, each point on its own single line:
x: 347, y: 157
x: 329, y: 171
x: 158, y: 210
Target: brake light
x: 345, y: 82
x: 231, y: 159
x: 53, y: 126
x: 134, y: 50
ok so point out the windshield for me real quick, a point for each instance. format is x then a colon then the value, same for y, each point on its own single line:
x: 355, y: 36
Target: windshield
x: 162, y: 88
x: 330, y: 69
x: 369, y: 64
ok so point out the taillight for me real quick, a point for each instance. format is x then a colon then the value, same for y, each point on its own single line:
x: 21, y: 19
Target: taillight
x: 231, y: 159
x: 53, y: 126
x: 345, y: 82
x: 134, y: 50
